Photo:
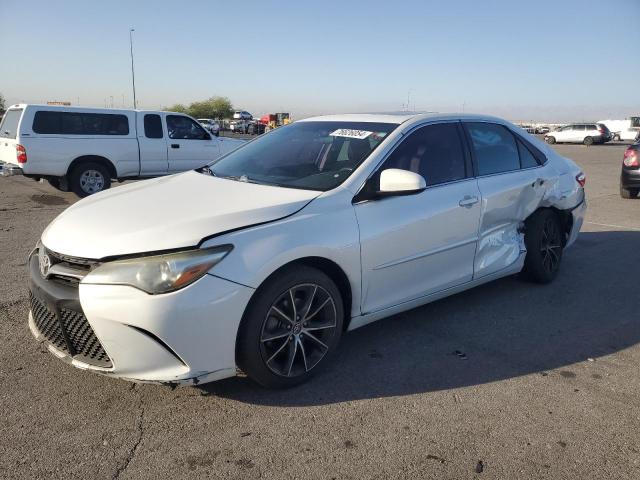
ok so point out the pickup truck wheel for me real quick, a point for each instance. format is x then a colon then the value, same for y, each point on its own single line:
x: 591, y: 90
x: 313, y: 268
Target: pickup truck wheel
x: 89, y: 178
x: 54, y: 182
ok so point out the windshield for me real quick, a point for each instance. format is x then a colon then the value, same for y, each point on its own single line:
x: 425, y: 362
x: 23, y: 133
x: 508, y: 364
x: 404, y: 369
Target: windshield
x: 309, y: 155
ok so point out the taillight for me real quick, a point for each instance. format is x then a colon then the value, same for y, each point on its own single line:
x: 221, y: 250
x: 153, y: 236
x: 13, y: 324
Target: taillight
x: 581, y: 179
x: 21, y: 154
x: 631, y: 158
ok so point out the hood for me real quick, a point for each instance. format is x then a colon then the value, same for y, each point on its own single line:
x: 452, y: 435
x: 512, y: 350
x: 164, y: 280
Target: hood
x: 166, y: 213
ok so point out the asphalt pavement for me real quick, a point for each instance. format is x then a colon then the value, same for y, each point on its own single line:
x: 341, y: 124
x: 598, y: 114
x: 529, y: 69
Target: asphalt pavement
x: 507, y: 381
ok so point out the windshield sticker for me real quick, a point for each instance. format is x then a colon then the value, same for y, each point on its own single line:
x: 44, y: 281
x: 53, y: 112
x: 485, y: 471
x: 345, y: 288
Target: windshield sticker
x: 350, y: 133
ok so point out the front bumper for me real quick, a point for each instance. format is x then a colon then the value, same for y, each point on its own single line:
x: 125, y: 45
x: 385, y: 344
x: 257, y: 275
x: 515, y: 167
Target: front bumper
x: 183, y: 337
x: 9, y: 169
x: 630, y: 178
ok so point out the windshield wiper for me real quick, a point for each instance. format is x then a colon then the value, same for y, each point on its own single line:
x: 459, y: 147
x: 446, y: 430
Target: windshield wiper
x: 239, y: 178
x: 206, y: 170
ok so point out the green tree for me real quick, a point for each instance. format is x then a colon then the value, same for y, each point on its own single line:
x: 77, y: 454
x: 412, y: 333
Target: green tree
x: 214, y: 107
x: 3, y: 107
x: 178, y: 107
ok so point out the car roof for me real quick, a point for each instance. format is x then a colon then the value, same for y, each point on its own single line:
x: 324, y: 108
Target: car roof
x: 399, y: 117
x: 82, y: 108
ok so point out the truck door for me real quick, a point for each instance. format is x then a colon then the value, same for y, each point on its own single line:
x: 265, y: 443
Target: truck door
x: 189, y: 145
x: 153, y: 144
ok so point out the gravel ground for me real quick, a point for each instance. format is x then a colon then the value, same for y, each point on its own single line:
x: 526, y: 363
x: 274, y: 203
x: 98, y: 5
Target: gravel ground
x: 509, y: 380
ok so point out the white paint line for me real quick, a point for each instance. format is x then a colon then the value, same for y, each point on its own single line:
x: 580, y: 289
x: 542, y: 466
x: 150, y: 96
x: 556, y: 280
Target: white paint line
x: 614, y: 226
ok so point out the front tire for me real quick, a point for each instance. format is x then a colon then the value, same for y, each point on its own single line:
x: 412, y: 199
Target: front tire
x: 550, y: 140
x: 89, y: 178
x: 544, y: 241
x: 291, y: 328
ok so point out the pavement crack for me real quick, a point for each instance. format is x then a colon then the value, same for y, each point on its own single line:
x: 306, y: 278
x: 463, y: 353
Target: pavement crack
x: 140, y: 433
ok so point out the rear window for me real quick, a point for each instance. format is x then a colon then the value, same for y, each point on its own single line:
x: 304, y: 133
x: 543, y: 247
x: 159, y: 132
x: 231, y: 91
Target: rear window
x: 72, y: 123
x: 152, y: 126
x: 603, y: 127
x: 9, y: 125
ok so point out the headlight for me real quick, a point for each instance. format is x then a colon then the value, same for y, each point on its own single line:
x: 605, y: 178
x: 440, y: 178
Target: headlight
x: 159, y: 273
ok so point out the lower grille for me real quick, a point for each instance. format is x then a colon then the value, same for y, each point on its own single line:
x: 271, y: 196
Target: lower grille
x: 47, y: 323
x: 81, y: 341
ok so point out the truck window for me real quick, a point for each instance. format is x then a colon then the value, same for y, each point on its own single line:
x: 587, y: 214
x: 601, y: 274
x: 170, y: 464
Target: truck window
x: 181, y: 127
x: 9, y: 126
x: 153, y: 126
x: 72, y: 123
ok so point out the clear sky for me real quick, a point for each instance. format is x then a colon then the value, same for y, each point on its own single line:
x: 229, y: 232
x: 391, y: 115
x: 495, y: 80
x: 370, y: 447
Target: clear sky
x: 552, y: 60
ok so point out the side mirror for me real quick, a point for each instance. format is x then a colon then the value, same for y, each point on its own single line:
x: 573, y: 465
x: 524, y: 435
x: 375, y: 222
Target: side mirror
x: 400, y: 182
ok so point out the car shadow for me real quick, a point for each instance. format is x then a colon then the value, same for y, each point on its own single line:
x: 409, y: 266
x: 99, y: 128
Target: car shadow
x: 504, y: 329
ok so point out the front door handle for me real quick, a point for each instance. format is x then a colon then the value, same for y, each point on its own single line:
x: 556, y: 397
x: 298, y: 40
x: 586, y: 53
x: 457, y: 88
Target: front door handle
x: 468, y: 201
x: 175, y: 145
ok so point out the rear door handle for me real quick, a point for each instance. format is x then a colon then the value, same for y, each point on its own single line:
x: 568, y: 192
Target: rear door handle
x: 539, y: 182
x: 468, y: 201
x: 175, y: 145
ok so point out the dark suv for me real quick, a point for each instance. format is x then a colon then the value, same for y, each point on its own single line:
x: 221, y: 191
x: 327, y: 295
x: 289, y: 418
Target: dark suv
x: 630, y: 175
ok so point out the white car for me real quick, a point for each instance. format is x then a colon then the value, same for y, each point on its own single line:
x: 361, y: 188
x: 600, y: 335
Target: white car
x: 263, y: 259
x: 83, y: 149
x: 210, y: 125
x: 585, y: 133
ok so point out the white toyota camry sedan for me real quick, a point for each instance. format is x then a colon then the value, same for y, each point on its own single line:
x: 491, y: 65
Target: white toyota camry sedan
x: 262, y: 260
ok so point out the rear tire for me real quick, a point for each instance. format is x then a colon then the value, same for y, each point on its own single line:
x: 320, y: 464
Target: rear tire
x: 89, y: 178
x: 588, y: 141
x: 550, y: 140
x: 283, y: 343
x: 544, y: 241
x: 629, y: 192
x: 54, y: 182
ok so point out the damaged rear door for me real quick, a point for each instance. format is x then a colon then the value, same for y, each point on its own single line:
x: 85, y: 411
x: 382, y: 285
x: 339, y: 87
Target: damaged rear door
x: 511, y: 180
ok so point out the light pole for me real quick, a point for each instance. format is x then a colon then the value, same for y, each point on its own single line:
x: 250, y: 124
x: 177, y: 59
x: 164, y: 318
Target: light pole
x: 133, y: 75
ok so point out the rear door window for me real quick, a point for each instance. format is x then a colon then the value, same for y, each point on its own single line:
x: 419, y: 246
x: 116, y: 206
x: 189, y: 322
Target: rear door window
x: 153, y: 126
x: 9, y: 125
x: 76, y: 123
x: 494, y: 147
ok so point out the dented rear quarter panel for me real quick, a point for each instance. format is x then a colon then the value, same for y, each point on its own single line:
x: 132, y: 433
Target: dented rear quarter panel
x: 508, y: 199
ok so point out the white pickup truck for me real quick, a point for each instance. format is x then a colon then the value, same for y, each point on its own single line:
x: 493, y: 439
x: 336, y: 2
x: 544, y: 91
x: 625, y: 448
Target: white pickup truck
x: 83, y: 149
x: 627, y: 129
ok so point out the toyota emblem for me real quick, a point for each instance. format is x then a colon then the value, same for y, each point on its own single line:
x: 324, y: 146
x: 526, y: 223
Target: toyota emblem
x: 45, y: 263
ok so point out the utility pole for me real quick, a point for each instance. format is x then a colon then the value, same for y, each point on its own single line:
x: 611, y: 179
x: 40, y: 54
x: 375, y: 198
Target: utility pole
x: 133, y: 75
